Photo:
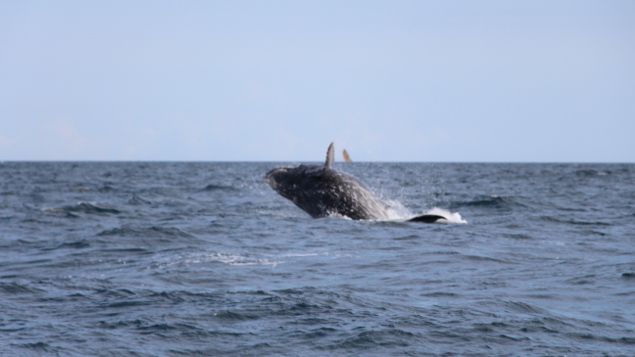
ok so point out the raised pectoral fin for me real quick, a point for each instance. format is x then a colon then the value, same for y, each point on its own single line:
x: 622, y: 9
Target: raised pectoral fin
x: 330, y: 156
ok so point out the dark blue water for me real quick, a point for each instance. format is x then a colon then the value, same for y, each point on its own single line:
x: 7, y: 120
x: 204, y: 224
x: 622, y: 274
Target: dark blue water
x: 182, y: 259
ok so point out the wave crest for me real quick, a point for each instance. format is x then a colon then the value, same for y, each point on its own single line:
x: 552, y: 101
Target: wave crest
x: 85, y: 208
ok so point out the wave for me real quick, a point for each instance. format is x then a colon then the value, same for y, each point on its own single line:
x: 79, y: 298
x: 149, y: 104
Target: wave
x: 624, y: 340
x: 522, y: 307
x: 229, y: 315
x: 145, y: 232
x: 137, y: 200
x: 483, y: 259
x: 216, y: 187
x: 40, y: 347
x: 17, y: 288
x: 591, y: 173
x: 518, y: 236
x: 381, y: 337
x: 225, y: 258
x: 628, y: 275
x: 84, y: 207
x: 493, y: 201
x: 574, y: 222
x: 80, y: 244
x: 106, y: 188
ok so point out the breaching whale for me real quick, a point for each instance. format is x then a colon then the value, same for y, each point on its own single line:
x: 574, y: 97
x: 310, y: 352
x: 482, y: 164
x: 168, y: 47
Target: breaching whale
x: 323, y: 191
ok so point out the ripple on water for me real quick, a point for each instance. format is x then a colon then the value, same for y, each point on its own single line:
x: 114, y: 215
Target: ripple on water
x: 18, y: 288
x: 136, y: 231
x: 86, y: 208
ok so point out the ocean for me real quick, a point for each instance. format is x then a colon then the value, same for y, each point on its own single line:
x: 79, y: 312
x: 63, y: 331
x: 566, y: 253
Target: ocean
x: 189, y: 259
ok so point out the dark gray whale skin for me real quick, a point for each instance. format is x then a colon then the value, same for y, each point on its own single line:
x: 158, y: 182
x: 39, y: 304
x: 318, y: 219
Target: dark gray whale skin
x: 322, y: 191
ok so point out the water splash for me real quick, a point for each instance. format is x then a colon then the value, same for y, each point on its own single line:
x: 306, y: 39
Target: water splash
x: 398, y: 212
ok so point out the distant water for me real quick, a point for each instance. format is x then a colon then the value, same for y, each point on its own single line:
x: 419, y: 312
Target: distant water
x: 178, y: 259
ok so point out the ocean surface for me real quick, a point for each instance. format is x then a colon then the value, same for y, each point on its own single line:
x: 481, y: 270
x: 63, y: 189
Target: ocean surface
x: 180, y: 259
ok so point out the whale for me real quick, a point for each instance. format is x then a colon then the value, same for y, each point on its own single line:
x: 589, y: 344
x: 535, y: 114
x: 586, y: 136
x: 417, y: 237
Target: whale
x: 322, y: 191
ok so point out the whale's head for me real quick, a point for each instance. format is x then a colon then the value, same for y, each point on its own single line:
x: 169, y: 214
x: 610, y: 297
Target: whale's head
x: 278, y: 178
x: 297, y: 183
x: 293, y: 182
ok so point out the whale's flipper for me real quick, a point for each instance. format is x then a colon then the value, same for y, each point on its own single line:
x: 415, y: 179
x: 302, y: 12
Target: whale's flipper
x: 427, y: 218
x: 330, y: 157
x: 347, y: 157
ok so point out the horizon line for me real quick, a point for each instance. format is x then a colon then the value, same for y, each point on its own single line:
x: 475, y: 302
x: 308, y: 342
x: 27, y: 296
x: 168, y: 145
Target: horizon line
x: 2, y: 161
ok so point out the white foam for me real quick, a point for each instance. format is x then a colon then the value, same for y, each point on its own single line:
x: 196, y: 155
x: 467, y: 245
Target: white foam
x: 337, y: 215
x: 219, y: 257
x: 302, y: 255
x: 398, y: 212
x: 231, y: 259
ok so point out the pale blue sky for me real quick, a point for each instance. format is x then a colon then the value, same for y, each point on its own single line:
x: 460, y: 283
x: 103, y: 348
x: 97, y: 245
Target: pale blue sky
x: 279, y: 80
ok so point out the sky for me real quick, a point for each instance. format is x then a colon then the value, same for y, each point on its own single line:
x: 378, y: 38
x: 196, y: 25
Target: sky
x: 441, y: 81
